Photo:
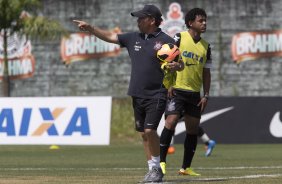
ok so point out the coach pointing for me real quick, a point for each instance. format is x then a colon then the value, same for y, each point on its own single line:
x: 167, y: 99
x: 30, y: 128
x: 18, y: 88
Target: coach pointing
x: 146, y: 83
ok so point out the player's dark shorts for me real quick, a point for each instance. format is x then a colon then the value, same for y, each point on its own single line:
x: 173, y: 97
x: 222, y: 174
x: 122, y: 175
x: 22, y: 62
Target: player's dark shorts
x: 147, y: 113
x: 184, y: 102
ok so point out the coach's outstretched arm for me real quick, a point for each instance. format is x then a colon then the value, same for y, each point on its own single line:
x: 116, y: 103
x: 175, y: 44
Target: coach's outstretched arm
x: 105, y: 35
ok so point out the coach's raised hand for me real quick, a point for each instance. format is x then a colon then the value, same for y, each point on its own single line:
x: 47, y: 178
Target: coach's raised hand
x: 84, y: 26
x: 106, y: 35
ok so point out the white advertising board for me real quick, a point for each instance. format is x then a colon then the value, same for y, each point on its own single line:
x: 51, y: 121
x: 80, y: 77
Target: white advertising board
x: 55, y: 120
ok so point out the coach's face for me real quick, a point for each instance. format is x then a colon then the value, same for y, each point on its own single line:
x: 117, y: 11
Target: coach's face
x: 145, y: 24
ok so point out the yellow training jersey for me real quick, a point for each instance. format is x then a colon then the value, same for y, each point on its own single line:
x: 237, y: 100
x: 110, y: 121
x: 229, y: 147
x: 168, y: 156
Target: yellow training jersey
x: 194, y: 56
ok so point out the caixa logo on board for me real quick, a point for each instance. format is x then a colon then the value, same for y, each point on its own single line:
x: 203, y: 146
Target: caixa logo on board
x: 78, y: 122
x: 55, y: 120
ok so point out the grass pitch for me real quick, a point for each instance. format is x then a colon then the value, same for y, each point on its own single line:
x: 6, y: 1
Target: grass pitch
x: 125, y: 163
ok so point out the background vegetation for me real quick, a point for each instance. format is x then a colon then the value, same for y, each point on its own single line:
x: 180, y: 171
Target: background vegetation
x: 122, y: 123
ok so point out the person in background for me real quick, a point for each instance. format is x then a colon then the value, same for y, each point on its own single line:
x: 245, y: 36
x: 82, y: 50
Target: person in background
x: 146, y: 82
x: 185, y: 94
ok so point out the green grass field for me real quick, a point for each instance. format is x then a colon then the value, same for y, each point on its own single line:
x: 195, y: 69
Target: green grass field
x: 122, y: 163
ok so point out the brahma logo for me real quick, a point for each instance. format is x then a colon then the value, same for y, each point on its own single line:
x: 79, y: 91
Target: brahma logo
x: 253, y: 45
x: 20, y: 60
x: 83, y: 46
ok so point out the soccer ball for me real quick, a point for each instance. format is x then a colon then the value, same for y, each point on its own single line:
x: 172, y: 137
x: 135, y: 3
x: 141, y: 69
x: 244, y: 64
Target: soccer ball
x: 168, y: 53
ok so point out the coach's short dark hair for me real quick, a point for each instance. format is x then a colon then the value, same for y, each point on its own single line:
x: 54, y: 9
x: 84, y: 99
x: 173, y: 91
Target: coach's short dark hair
x: 158, y: 22
x: 191, y: 15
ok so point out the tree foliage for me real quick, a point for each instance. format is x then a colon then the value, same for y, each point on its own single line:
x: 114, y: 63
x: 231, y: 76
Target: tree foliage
x: 21, y: 17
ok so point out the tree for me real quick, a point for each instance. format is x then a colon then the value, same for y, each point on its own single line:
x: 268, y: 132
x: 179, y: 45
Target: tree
x: 20, y: 16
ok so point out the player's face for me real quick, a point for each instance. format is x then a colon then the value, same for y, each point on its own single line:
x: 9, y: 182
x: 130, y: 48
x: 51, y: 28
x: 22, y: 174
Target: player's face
x: 144, y: 24
x: 200, y: 24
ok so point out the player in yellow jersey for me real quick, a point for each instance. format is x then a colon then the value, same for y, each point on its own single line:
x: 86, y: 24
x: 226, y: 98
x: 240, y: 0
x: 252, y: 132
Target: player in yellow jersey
x: 185, y: 95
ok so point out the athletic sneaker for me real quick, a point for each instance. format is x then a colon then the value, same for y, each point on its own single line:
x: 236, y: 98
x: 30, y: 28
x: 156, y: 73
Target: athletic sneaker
x: 210, y: 148
x: 156, y: 175
x: 171, y: 150
x: 188, y: 171
x: 147, y: 176
x: 163, y: 165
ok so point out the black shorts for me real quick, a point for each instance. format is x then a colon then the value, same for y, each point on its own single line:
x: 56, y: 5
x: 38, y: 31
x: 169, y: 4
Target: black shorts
x: 184, y: 102
x: 147, y: 113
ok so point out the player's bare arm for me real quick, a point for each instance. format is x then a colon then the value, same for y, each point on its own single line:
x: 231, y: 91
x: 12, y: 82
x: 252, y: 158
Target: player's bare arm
x: 105, y: 35
x: 206, y: 81
x: 206, y: 88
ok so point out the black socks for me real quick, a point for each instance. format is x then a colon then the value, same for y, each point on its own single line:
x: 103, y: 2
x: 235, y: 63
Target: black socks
x: 190, y: 145
x: 165, y: 140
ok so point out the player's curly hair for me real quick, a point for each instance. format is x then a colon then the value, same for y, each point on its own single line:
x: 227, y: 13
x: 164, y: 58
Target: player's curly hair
x: 191, y: 15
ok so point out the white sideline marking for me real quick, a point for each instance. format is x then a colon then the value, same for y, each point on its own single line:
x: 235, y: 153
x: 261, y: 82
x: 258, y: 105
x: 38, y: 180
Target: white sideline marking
x: 238, y: 168
x: 124, y: 169
x: 223, y: 178
x: 236, y: 177
x: 256, y: 176
x: 168, y: 181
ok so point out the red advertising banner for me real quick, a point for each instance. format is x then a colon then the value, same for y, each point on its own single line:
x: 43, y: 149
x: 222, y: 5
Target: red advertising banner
x: 19, y: 68
x: 83, y: 46
x: 21, y: 62
x: 253, y: 45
